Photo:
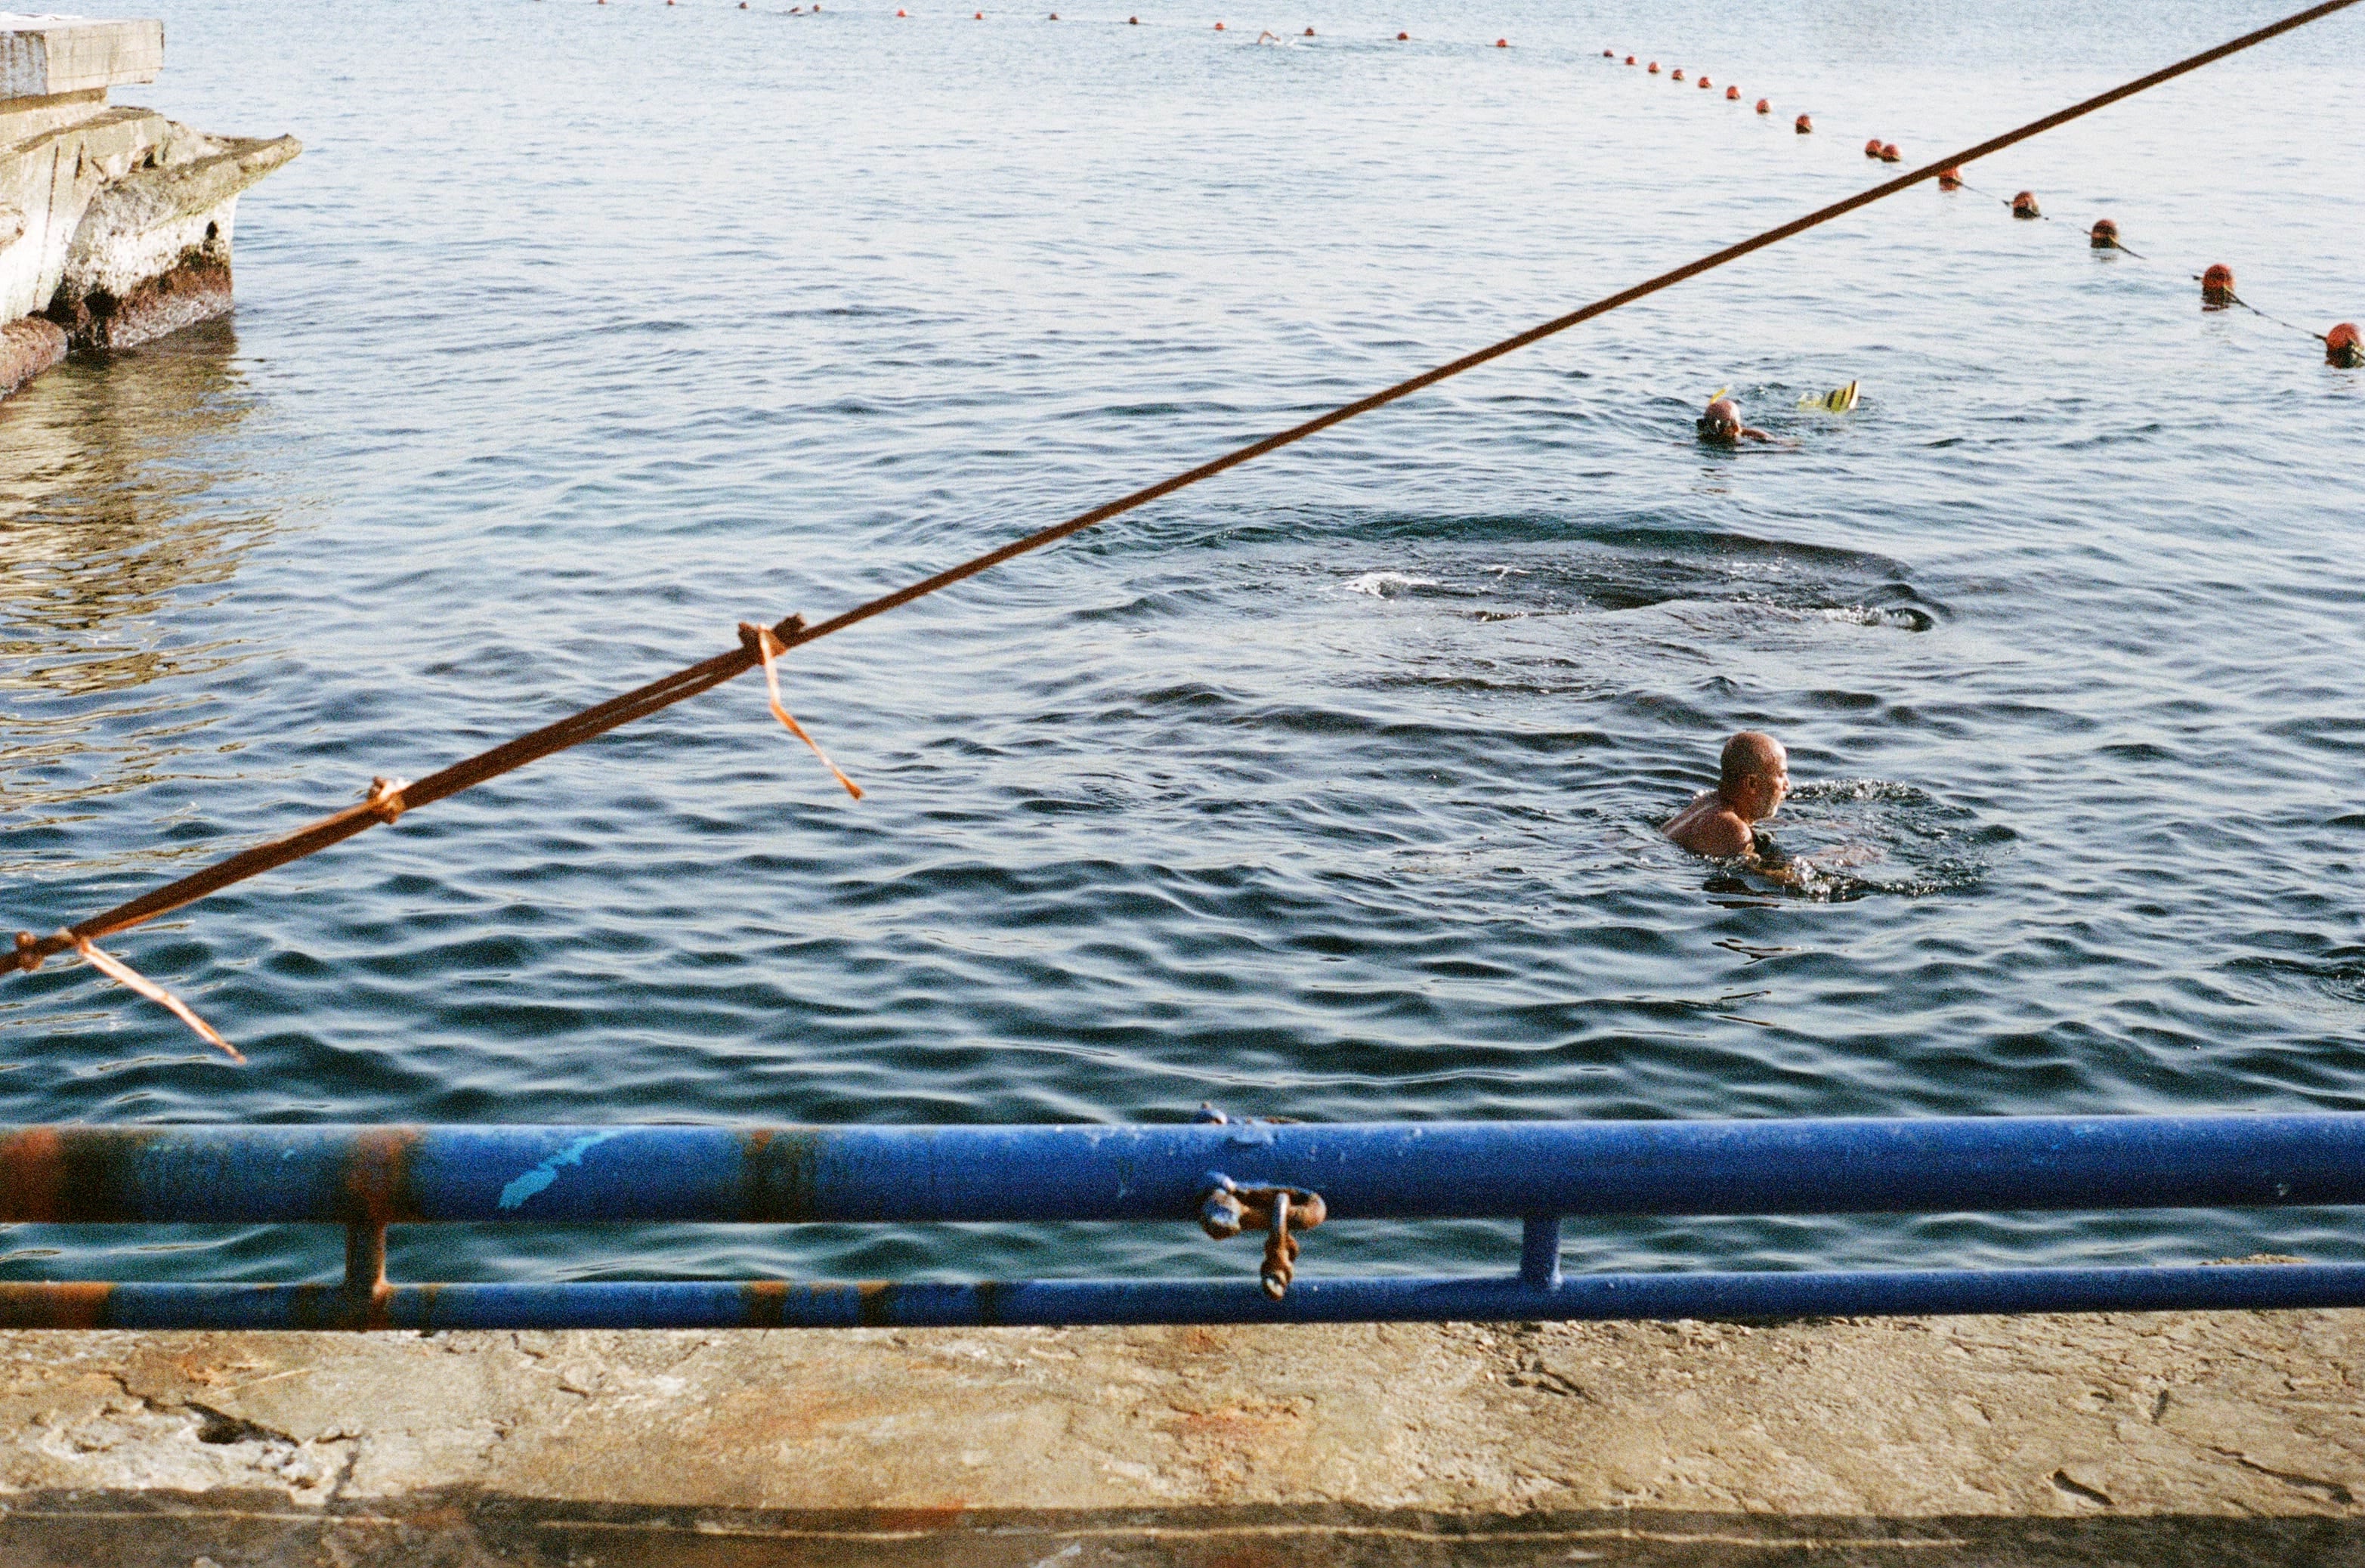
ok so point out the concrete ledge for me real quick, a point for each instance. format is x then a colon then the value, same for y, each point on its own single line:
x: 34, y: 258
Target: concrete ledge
x: 44, y: 55
x: 2167, y: 1438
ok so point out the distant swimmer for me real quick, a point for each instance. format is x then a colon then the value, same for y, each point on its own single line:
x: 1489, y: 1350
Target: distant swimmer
x: 1755, y: 779
x: 1722, y: 424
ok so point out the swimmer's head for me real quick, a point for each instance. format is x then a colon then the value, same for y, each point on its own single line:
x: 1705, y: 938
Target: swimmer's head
x: 1756, y: 776
x: 1721, y: 421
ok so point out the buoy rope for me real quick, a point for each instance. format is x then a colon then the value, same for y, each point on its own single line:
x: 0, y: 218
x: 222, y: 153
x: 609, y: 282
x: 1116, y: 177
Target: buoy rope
x: 386, y: 802
x: 2289, y: 326
x: 2116, y: 245
x: 1952, y: 179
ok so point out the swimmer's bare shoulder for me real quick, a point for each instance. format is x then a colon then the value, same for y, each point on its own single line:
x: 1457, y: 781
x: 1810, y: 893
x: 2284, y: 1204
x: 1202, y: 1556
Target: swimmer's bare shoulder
x: 1709, y: 827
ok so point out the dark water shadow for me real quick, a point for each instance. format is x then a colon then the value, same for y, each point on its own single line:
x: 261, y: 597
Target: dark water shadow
x: 159, y: 1530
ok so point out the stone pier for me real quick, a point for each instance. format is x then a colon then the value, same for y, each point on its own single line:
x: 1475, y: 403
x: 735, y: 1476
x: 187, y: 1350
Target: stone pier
x: 115, y: 222
x: 2164, y: 1440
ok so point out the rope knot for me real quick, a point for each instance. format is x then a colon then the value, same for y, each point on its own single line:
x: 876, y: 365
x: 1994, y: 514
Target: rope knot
x: 385, y: 798
x: 751, y: 636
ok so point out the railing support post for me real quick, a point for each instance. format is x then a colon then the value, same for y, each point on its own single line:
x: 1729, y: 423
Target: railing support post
x: 365, y: 1261
x: 1540, y: 1251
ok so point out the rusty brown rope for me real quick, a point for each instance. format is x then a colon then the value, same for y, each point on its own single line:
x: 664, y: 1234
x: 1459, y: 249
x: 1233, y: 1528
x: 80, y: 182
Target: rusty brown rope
x: 388, y: 801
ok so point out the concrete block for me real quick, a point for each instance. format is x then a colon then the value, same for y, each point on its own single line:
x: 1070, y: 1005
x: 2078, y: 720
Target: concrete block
x: 115, y: 223
x: 42, y: 56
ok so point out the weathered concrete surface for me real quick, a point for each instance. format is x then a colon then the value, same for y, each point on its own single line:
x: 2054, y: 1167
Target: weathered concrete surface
x: 110, y: 200
x: 151, y: 254
x: 2167, y: 1438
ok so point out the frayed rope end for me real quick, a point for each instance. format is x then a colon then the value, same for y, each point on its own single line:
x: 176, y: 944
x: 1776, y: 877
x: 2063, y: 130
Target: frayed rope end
x: 768, y: 645
x: 125, y: 975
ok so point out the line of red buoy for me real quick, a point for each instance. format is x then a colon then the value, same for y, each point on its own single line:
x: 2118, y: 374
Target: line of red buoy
x: 2217, y: 289
x: 2217, y: 293
x: 1130, y: 21
x: 2341, y: 344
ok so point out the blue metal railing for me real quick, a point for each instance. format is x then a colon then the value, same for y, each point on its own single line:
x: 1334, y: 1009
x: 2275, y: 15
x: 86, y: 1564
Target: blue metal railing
x: 1224, y: 1174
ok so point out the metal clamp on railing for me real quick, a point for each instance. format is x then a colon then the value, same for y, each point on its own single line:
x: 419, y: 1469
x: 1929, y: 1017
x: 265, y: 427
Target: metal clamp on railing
x: 1229, y: 1208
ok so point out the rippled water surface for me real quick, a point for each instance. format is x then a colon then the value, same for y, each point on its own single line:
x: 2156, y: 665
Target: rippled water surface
x: 1327, y: 788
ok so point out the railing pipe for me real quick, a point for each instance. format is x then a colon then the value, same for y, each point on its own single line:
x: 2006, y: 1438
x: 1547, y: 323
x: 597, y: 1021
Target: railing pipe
x: 1424, y: 1171
x: 773, y: 1304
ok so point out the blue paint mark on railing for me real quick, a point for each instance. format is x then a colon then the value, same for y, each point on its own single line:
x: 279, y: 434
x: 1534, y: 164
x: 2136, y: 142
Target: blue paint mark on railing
x: 543, y: 1174
x: 1535, y: 1171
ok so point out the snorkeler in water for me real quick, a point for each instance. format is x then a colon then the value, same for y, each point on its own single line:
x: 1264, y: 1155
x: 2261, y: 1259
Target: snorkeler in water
x: 1721, y: 822
x: 1720, y: 424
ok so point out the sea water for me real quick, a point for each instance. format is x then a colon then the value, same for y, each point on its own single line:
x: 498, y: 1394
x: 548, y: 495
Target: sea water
x: 1328, y: 789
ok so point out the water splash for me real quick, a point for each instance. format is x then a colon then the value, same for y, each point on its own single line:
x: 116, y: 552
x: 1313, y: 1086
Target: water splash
x: 1852, y: 838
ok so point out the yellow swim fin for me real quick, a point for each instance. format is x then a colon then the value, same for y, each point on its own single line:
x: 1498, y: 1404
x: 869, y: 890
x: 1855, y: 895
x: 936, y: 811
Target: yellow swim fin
x: 1838, y: 402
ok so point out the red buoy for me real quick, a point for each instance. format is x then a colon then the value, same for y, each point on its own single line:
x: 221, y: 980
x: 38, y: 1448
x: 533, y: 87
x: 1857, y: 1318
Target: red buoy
x: 1309, y: 32
x: 1403, y: 38
x: 1679, y: 74
x: 1950, y: 178
x: 1502, y: 43
x: 1705, y: 83
x: 2104, y: 236
x: 1654, y: 68
x: 1764, y: 108
x: 1733, y: 94
x: 1630, y: 59
x: 1055, y: 16
x: 1888, y: 153
x: 2217, y: 287
x: 1609, y: 54
x: 2341, y: 347
x: 1872, y: 147
x: 1220, y: 27
x: 1805, y: 125
x: 2024, y: 204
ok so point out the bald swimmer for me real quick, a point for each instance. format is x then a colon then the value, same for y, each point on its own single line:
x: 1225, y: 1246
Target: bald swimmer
x: 1755, y: 779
